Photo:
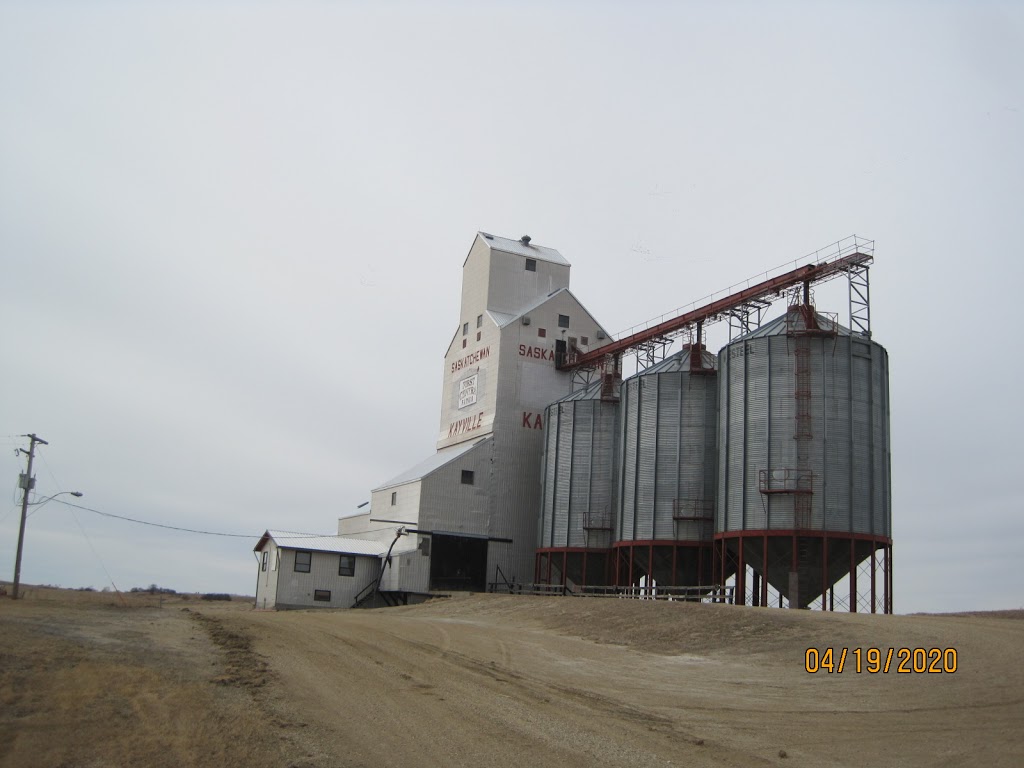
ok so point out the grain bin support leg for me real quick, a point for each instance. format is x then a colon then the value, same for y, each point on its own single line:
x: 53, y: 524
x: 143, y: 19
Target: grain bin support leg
x: 740, y: 597
x: 874, y: 567
x: 853, y: 577
x: 764, y: 568
x: 888, y: 578
x: 794, y: 576
x: 824, y: 571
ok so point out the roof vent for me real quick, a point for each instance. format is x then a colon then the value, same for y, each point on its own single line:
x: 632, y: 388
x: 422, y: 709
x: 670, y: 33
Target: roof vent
x: 526, y: 319
x: 525, y: 239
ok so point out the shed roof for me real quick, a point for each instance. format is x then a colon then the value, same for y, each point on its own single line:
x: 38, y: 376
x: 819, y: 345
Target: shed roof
x: 431, y: 464
x: 322, y: 543
x: 520, y: 248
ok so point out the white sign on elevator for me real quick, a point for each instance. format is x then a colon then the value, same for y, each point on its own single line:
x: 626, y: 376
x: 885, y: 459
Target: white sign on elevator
x: 467, y: 391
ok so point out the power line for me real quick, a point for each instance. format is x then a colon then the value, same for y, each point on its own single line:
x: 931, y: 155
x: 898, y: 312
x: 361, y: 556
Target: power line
x: 158, y: 525
x: 179, y: 528
x: 96, y: 555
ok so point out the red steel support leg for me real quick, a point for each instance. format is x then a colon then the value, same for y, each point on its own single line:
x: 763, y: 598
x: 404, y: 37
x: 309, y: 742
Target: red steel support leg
x: 650, y: 565
x: 764, y: 571
x: 721, y: 562
x: 874, y: 567
x: 824, y: 571
x: 741, y: 578
x: 888, y: 562
x: 853, y: 577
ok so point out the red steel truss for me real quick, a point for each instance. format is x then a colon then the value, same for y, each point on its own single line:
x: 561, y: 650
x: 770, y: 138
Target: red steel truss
x: 853, y: 255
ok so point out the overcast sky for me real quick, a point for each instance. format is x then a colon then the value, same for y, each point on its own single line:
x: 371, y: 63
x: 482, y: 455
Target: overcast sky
x: 232, y: 237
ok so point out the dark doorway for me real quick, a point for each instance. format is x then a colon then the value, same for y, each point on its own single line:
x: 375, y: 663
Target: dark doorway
x: 458, y: 563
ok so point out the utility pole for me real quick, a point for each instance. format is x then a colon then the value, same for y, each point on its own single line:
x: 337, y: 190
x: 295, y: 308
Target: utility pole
x: 27, y: 483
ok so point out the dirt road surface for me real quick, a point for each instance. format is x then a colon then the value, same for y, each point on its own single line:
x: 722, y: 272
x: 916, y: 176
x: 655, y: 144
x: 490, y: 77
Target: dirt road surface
x: 485, y: 680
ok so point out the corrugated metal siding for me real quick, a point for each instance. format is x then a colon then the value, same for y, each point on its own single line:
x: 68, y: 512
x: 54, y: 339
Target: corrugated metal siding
x: 882, y: 523
x: 668, y: 436
x: 295, y: 590
x: 605, y: 467
x: 512, y: 287
x: 447, y: 504
x: 723, y: 422
x: 546, y: 536
x: 756, y: 404
x: 849, y: 449
x: 626, y: 527
x: 820, y: 348
x: 563, y: 473
x: 580, y: 478
x: 736, y: 437
x: 666, y: 455
x: 647, y: 433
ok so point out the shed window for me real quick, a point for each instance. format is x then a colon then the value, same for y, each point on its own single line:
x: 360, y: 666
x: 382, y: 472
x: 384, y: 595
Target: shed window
x: 467, y: 477
x: 266, y: 557
x: 394, y: 498
x: 347, y: 565
x: 465, y: 328
x: 303, y: 559
x: 531, y: 265
x: 322, y: 595
x: 584, y: 340
x: 479, y: 320
x: 542, y: 332
x: 563, y: 321
x: 478, y: 335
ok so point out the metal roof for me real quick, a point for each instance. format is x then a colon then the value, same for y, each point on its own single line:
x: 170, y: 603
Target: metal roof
x: 592, y: 392
x: 431, y: 464
x: 680, y: 361
x: 323, y: 543
x: 520, y: 248
x: 503, y: 319
x: 508, y: 319
x: 780, y: 326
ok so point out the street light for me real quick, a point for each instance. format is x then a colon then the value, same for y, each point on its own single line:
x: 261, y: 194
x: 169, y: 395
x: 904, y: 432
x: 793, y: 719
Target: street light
x: 21, y: 532
x: 78, y: 494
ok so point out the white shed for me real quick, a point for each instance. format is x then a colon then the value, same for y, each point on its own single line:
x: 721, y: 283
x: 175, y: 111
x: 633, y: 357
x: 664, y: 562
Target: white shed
x: 303, y: 570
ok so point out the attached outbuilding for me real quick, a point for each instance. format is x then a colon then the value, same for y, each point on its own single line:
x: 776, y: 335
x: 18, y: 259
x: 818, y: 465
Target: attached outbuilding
x: 302, y: 570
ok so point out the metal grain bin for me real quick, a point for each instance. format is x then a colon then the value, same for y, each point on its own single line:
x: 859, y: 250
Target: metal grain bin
x: 578, y: 475
x: 668, y: 455
x: 804, y: 450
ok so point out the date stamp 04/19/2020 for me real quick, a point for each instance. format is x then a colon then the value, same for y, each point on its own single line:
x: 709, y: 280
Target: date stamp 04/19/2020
x: 881, y: 660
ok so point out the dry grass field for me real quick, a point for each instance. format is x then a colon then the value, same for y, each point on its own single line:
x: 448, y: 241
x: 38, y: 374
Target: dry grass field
x: 92, y: 680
